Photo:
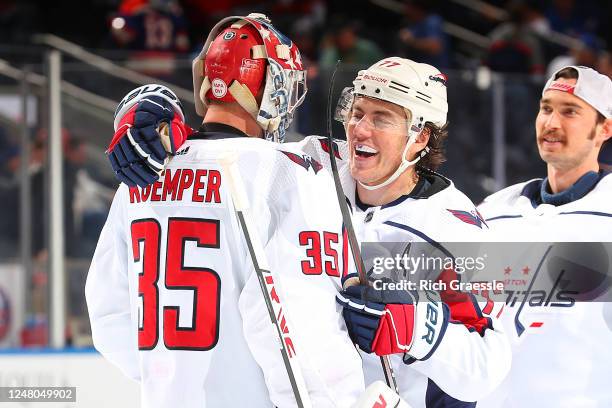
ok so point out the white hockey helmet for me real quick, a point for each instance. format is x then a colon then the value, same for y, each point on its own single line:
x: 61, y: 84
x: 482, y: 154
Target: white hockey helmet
x: 419, y: 88
x: 143, y: 92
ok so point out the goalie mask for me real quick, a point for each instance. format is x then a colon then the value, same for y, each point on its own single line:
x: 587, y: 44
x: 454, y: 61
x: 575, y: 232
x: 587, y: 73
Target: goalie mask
x: 418, y: 88
x: 242, y: 56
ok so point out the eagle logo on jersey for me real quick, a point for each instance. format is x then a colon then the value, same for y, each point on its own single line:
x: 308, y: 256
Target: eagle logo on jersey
x: 472, y: 218
x: 304, y: 160
x: 325, y: 146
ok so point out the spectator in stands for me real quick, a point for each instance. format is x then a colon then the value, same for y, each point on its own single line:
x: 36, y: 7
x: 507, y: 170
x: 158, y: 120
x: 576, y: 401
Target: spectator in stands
x: 343, y: 42
x: 605, y: 30
x: 573, y: 18
x: 515, y: 46
x: 203, y: 15
x: 73, y: 150
x: 304, y: 21
x: 9, y: 158
x: 306, y: 39
x: 586, y: 51
x: 604, y: 64
x: 154, y: 30
x: 18, y: 20
x: 481, y: 19
x: 421, y: 37
x: 9, y: 194
x: 298, y: 15
x: 38, y: 159
x: 532, y: 15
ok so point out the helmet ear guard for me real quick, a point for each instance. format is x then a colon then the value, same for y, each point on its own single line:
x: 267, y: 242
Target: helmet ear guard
x: 238, y: 60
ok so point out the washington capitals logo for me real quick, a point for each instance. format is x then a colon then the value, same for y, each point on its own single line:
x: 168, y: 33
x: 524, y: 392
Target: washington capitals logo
x: 439, y: 78
x: 469, y: 218
x: 304, y: 160
x: 325, y: 146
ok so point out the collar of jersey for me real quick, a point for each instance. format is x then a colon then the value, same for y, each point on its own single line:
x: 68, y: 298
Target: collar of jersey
x: 537, y: 190
x: 214, y: 130
x: 429, y: 184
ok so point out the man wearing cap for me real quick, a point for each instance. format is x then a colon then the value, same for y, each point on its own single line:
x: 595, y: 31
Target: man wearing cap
x: 560, y: 345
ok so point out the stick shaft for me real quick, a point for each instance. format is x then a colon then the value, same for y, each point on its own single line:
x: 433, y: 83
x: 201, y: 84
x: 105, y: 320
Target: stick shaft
x: 348, y: 224
x: 276, y: 309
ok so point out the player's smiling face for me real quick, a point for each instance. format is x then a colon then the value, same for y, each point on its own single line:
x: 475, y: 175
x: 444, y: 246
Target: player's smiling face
x: 566, y: 129
x: 377, y: 134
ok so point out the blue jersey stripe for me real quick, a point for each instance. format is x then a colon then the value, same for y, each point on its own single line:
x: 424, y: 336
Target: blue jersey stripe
x: 436, y: 398
x: 500, y: 217
x: 596, y: 213
x: 582, y: 212
x: 421, y: 235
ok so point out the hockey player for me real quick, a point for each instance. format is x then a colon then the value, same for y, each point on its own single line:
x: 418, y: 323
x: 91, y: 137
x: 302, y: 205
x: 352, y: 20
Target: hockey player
x: 395, y: 201
x: 560, y: 345
x: 395, y: 121
x: 171, y: 292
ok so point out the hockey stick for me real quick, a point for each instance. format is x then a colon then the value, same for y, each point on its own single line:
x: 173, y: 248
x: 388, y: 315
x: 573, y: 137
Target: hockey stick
x: 278, y: 313
x: 348, y: 224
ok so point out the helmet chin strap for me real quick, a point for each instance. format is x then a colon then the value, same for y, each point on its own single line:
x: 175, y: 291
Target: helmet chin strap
x: 402, y: 167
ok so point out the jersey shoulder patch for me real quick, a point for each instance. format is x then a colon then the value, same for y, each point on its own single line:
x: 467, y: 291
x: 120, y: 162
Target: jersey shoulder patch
x: 472, y: 218
x: 304, y: 161
x: 325, y: 146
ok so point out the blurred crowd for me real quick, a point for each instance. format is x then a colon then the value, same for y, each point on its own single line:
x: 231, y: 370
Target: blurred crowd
x: 529, y: 38
x: 86, y: 197
x: 517, y: 36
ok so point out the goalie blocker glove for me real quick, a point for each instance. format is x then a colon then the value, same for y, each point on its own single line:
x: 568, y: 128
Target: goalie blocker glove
x: 393, y: 321
x: 149, y: 125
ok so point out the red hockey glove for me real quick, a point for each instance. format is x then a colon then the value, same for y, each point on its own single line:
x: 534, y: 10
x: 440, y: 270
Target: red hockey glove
x: 147, y: 132
x: 393, y: 321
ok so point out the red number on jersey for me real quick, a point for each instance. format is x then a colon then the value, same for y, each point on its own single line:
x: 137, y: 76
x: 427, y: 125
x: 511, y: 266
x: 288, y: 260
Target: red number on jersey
x: 205, y: 283
x: 331, y: 267
x: 314, y: 265
x: 146, y: 232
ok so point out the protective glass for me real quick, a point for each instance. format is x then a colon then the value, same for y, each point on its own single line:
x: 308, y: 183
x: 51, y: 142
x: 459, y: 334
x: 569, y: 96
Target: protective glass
x: 346, y: 115
x: 376, y: 122
x: 343, y: 107
x: 297, y: 88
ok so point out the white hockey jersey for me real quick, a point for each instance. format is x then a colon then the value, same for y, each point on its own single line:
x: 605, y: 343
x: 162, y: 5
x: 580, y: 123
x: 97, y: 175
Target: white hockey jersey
x: 468, y: 363
x: 173, y: 298
x: 561, y: 347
